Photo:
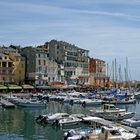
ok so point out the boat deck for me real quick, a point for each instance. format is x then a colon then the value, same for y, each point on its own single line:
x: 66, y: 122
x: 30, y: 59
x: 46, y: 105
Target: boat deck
x: 6, y: 103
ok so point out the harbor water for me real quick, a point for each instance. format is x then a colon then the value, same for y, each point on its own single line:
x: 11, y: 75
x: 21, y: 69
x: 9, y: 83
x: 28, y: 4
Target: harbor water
x: 19, y: 123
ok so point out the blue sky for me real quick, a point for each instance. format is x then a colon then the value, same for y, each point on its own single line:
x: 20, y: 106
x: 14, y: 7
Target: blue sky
x: 108, y: 28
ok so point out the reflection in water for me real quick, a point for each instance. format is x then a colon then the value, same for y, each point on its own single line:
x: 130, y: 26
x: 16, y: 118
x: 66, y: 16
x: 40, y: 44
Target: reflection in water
x: 19, y: 123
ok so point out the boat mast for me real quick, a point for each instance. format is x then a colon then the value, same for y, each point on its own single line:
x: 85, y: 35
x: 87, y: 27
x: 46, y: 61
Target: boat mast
x: 107, y: 70
x: 126, y: 74
x: 115, y: 72
x: 120, y: 75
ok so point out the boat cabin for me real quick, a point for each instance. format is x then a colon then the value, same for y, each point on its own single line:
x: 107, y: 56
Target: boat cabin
x: 109, y: 107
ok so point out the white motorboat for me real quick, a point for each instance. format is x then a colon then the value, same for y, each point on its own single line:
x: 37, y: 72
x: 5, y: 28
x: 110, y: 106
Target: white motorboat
x: 50, y: 118
x: 68, y: 121
x: 133, y: 122
x: 31, y: 103
x: 107, y: 109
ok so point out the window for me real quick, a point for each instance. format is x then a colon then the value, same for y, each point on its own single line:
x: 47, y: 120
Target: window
x: 3, y: 71
x: 5, y: 57
x: 4, y: 79
x: 39, y: 62
x: 10, y: 64
x: 48, y: 79
x: 44, y: 62
x: 45, y: 75
x: 4, y: 64
x: 10, y: 71
x: 53, y: 79
x: 39, y: 55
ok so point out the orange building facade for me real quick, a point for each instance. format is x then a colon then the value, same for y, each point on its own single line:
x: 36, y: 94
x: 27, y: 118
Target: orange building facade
x: 97, y: 69
x: 6, y: 69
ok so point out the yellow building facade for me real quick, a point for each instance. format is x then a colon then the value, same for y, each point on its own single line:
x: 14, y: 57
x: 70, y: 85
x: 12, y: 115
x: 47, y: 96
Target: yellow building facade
x: 19, y: 67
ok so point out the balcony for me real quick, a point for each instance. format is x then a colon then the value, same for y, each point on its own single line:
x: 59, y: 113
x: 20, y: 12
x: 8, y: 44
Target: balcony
x: 99, y: 74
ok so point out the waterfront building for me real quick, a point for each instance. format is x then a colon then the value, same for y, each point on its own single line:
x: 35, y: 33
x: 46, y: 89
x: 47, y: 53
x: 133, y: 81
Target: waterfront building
x: 97, y: 69
x: 74, y: 59
x: 39, y: 68
x: 6, y: 69
x: 60, y: 76
x: 19, y: 67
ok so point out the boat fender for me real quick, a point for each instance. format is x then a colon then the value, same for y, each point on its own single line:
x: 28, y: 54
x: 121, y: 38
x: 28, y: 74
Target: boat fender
x: 67, y: 136
x: 71, y: 102
x: 56, y: 123
x: 39, y: 118
x: 84, y: 104
x: 43, y: 120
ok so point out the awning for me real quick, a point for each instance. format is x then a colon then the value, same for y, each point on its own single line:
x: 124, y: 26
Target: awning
x: 48, y: 87
x: 43, y: 87
x: 14, y: 87
x: 3, y: 87
x: 56, y: 83
x: 27, y: 87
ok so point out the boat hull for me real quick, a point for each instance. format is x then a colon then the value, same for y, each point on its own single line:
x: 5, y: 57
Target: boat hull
x: 120, y: 116
x: 31, y: 105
